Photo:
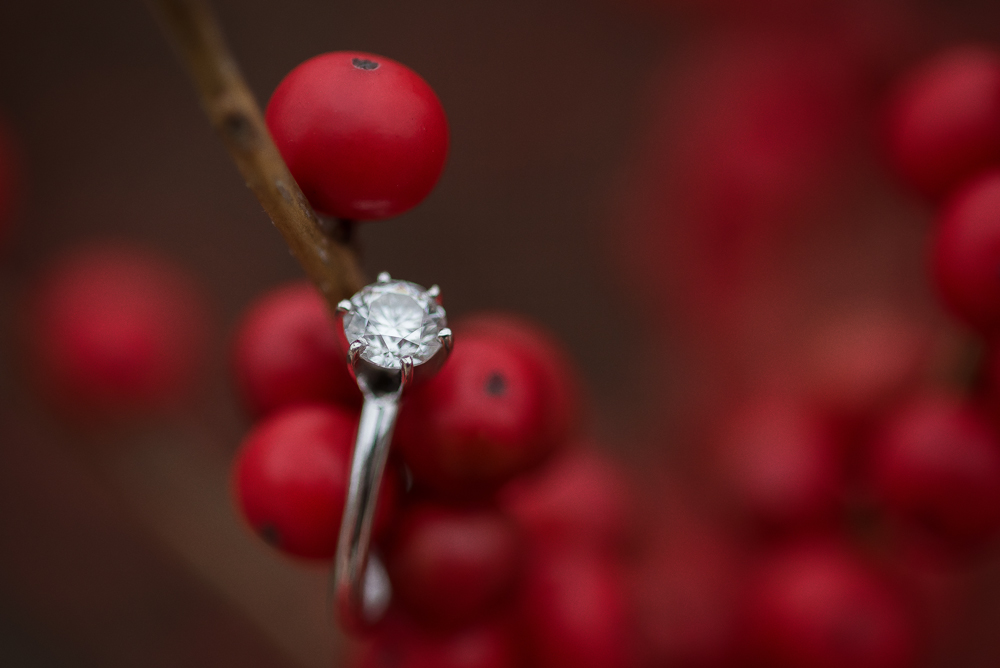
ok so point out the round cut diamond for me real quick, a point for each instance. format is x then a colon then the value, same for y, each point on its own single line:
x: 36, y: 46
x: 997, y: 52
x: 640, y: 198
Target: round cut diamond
x: 395, y: 319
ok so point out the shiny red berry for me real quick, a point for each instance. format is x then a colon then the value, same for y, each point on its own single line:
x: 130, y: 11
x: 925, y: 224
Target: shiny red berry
x: 818, y: 606
x: 935, y: 465
x: 966, y: 253
x: 450, y: 566
x: 575, y: 612
x: 560, y: 376
x: 780, y: 463
x: 400, y: 643
x: 290, y: 479
x: 482, y: 420
x: 286, y: 352
x: 364, y: 136
x: 943, y: 123
x: 114, y: 330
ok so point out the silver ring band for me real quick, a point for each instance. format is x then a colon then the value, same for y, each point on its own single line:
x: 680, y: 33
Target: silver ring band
x: 357, y: 598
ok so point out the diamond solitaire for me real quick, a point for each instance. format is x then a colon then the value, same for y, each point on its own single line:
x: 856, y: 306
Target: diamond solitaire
x: 392, y: 320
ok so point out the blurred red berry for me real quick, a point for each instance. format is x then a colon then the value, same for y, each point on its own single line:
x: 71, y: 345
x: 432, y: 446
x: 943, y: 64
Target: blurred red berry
x: 290, y: 479
x: 935, y: 465
x: 452, y: 566
x: 746, y: 134
x: 685, y: 587
x: 966, y: 253
x: 286, y: 351
x: 560, y: 377
x: 758, y: 133
x: 364, y: 136
x: 399, y: 643
x: 943, y: 122
x: 578, y: 501
x: 859, y: 361
x: 574, y: 611
x: 482, y: 420
x: 818, y: 606
x: 780, y: 463
x: 114, y: 330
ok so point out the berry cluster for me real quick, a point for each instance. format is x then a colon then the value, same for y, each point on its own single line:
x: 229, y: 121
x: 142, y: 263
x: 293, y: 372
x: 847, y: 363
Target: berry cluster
x: 837, y: 474
x: 936, y: 461
x: 493, y: 525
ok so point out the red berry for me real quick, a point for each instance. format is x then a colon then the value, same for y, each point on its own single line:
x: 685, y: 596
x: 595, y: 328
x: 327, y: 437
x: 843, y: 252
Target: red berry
x: 859, y: 361
x: 685, y: 588
x: 290, y: 479
x: 943, y: 122
x: 452, y: 566
x: 578, y: 501
x: 401, y: 644
x: 287, y: 351
x: 114, y: 330
x: 364, y: 136
x: 482, y: 420
x: 818, y: 606
x: 781, y: 463
x: 575, y: 611
x: 966, y: 253
x: 747, y: 133
x: 935, y: 465
x: 560, y: 376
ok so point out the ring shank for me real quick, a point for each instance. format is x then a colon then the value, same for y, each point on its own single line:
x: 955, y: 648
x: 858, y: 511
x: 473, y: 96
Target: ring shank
x: 371, y: 450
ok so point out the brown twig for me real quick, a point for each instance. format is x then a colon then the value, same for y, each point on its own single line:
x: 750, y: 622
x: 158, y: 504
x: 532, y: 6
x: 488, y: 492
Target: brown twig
x: 237, y: 118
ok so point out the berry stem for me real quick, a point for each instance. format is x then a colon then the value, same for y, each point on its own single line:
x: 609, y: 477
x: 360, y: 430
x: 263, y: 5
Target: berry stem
x: 235, y: 115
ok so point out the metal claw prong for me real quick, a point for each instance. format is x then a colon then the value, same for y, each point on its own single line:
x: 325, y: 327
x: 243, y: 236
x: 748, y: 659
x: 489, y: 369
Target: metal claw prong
x: 384, y: 277
x: 344, y: 306
x: 434, y: 291
x: 406, y: 369
x: 354, y: 352
x: 446, y: 339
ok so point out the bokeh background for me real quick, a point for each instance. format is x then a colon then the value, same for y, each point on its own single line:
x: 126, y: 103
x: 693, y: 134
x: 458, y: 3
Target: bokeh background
x: 572, y: 125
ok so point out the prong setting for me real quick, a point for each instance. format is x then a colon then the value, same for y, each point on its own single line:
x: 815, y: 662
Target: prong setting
x: 354, y: 352
x: 406, y: 369
x: 384, y: 277
x: 344, y: 306
x: 447, y: 339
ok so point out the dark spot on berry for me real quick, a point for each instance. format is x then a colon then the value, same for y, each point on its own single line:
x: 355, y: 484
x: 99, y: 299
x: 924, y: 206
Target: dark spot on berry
x: 364, y: 64
x: 496, y: 384
x: 270, y: 534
